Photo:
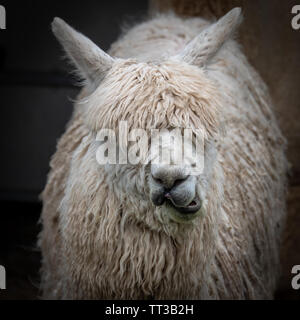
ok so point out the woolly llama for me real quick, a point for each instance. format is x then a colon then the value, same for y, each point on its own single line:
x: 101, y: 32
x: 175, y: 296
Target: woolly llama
x: 140, y: 231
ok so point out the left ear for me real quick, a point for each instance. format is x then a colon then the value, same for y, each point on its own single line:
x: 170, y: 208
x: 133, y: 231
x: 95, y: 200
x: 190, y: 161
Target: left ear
x: 206, y: 45
x: 91, y: 62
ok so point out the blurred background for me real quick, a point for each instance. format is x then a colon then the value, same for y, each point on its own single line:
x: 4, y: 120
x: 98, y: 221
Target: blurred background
x: 36, y: 93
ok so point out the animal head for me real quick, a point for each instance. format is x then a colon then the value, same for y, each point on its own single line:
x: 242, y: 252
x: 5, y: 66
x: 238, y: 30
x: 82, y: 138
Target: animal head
x: 172, y: 95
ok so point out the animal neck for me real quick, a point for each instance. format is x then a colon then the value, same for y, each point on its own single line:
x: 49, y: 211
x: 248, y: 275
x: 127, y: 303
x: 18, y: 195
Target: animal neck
x: 132, y: 245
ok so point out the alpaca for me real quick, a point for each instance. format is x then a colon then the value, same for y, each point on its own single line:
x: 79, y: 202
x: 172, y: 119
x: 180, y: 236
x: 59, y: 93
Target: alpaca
x: 124, y: 231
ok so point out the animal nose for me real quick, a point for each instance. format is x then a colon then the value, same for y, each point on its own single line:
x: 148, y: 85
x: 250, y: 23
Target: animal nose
x: 169, y: 177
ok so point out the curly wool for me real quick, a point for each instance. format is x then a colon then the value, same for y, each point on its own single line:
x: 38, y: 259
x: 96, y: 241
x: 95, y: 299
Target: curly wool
x: 100, y: 242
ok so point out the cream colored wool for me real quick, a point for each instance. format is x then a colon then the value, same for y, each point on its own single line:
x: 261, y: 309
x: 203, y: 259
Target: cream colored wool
x: 103, y: 238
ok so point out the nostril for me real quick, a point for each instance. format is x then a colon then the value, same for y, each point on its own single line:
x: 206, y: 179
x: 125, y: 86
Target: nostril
x: 178, y: 181
x: 167, y: 195
x: 158, y: 180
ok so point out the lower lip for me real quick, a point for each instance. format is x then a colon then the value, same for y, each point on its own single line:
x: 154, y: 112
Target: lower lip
x: 190, y: 210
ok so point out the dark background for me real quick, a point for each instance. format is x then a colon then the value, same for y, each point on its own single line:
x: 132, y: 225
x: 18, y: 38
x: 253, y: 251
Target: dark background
x: 36, y: 89
x: 36, y: 93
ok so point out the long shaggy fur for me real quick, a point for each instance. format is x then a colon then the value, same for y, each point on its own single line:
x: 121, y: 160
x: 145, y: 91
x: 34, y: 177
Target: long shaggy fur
x: 103, y: 239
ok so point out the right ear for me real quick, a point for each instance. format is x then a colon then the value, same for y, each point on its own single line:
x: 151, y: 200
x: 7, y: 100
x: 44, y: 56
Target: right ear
x: 207, y: 44
x: 91, y: 62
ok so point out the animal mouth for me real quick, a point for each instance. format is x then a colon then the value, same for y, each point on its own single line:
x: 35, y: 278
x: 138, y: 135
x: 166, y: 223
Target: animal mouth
x: 193, y: 207
x: 180, y: 213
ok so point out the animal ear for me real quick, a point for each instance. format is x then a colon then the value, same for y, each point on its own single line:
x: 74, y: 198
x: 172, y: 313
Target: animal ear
x: 204, y: 47
x: 91, y: 62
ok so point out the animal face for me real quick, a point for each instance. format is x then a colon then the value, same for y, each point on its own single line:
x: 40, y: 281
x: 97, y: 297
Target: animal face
x: 176, y: 94
x: 171, y: 98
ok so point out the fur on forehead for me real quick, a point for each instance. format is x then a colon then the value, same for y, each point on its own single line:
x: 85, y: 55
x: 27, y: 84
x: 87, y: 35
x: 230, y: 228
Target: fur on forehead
x: 148, y: 96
